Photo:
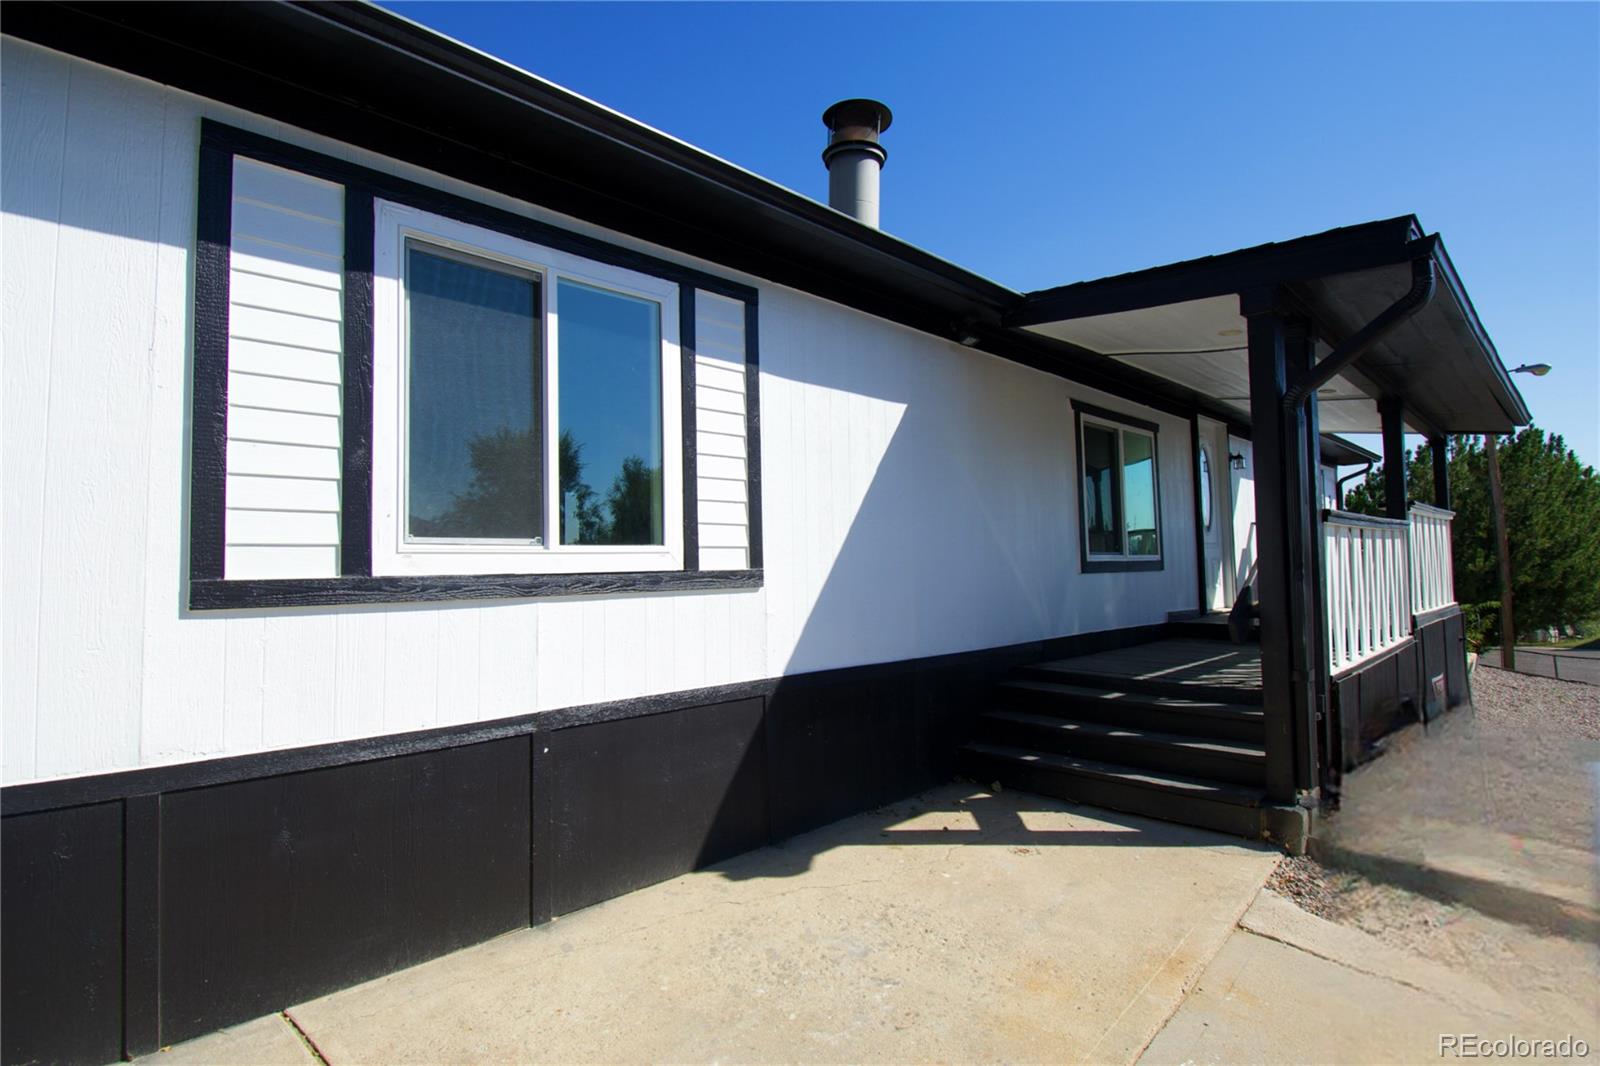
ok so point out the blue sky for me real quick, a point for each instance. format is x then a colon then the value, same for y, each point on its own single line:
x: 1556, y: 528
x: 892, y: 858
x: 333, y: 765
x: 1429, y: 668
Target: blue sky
x: 1045, y: 143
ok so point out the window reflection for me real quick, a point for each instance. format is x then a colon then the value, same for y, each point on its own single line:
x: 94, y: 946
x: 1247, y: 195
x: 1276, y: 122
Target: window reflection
x: 609, y: 393
x: 1139, y: 488
x: 473, y: 441
x: 1100, y: 491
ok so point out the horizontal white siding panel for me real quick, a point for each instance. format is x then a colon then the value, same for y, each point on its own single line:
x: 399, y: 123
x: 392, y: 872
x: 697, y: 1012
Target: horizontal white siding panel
x: 282, y: 460
x: 291, y: 264
x: 282, y: 527
x: 716, y: 535
x: 285, y: 376
x: 287, y: 227
x: 723, y: 444
x: 717, y: 400
x: 255, y: 290
x: 725, y: 422
x: 724, y: 512
x: 282, y: 493
x: 289, y: 190
x: 721, y: 384
x: 283, y: 394
x: 717, y: 466
x: 260, y: 357
x: 721, y: 488
x: 716, y: 375
x: 246, y: 562
x: 724, y: 558
x: 283, y: 327
x: 282, y: 427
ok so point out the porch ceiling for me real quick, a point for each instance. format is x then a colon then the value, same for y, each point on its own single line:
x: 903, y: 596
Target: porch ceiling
x: 1182, y: 323
x: 1201, y: 344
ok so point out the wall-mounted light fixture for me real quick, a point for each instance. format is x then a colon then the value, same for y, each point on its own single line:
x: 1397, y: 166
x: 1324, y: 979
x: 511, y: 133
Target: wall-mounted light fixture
x: 1235, y: 461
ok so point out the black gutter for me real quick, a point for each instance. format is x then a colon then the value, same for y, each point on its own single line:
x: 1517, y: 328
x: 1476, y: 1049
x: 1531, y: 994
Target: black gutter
x: 1338, y: 486
x: 1424, y: 282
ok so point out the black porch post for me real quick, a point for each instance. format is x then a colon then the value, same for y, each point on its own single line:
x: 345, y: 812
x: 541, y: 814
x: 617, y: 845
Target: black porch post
x: 1284, y: 471
x: 1391, y: 413
x: 1440, y: 450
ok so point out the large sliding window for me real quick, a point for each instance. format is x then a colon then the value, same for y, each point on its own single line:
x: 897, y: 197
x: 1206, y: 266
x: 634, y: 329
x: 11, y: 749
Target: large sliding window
x: 521, y: 411
x: 1119, y: 492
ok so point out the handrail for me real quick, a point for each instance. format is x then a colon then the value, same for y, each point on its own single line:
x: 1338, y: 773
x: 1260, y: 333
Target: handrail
x: 1432, y: 565
x: 1366, y: 563
x: 1356, y: 518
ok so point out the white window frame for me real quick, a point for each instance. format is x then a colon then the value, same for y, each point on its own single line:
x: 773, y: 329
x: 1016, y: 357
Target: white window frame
x: 1117, y: 431
x: 392, y: 553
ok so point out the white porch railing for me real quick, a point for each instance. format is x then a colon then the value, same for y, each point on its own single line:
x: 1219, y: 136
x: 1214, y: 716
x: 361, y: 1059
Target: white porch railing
x: 1368, y: 586
x: 1433, y: 582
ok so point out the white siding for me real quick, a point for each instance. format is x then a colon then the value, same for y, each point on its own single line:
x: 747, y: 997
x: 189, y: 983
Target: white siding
x: 720, y: 432
x: 919, y: 498
x: 284, y: 369
x: 1243, y: 481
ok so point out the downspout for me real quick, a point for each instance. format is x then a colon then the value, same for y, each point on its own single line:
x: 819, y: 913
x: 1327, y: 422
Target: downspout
x: 1424, y: 282
x: 1338, y: 486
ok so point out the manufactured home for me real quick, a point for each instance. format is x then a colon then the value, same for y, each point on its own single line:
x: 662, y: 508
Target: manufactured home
x: 434, y: 503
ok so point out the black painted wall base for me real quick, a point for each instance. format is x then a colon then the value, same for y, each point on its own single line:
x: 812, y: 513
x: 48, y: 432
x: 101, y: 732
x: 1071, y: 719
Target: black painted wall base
x: 1398, y: 689
x: 144, y: 908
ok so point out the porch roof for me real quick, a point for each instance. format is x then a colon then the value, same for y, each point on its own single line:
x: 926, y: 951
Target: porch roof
x: 1182, y: 322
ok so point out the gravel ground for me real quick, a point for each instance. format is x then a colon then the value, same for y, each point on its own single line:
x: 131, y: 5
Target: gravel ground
x: 1542, y: 734
x: 1520, y: 701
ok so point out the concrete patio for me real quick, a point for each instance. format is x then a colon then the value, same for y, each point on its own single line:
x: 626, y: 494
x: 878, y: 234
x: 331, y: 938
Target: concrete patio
x: 958, y: 925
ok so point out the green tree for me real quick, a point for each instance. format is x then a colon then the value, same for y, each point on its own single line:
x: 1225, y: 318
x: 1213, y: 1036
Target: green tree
x: 635, y: 504
x: 1552, y: 517
x: 591, y: 523
x: 498, y: 501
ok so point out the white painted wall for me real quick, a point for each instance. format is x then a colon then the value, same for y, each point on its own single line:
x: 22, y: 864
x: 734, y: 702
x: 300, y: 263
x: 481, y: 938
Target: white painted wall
x: 918, y: 496
x: 1244, y: 513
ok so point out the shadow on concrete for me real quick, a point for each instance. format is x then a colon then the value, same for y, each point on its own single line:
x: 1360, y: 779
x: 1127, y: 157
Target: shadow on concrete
x: 966, y: 815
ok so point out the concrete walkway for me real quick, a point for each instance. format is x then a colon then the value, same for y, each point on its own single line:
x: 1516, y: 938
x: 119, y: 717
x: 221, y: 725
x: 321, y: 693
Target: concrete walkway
x: 958, y: 926
x: 1291, y: 987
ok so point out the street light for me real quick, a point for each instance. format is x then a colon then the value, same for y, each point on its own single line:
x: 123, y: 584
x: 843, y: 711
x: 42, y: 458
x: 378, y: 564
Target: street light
x: 1508, y: 633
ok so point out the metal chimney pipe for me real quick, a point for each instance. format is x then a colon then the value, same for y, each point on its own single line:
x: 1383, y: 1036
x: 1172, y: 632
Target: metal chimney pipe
x: 854, y: 157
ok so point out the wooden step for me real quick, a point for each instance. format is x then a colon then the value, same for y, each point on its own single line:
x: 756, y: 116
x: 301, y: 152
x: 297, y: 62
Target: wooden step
x: 1066, y: 674
x: 1212, y: 719
x: 1202, y: 758
x: 1215, y: 805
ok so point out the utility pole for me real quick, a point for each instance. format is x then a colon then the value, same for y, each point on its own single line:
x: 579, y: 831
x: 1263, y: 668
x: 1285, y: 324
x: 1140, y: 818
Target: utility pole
x: 1497, y: 503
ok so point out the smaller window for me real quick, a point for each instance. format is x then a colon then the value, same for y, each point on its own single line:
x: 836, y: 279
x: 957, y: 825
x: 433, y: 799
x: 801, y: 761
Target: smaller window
x: 1205, y: 487
x: 1121, y: 500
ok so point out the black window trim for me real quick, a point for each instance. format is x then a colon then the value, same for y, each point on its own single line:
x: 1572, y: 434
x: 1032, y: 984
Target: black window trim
x: 210, y: 590
x: 1102, y: 565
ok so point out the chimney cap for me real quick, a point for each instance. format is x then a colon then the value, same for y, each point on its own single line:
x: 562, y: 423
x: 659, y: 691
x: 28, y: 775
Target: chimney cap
x: 859, y: 112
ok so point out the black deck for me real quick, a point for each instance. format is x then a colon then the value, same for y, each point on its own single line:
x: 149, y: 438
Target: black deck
x: 1202, y: 664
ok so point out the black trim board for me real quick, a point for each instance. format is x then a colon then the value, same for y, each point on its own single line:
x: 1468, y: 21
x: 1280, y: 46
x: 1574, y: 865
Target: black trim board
x: 215, y: 892
x: 208, y: 472
x: 351, y: 591
x: 208, y: 587
x: 687, y: 312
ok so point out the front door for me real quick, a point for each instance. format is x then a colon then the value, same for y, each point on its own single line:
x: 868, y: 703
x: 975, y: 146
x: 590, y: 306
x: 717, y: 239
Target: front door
x: 1216, y: 513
